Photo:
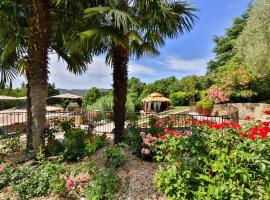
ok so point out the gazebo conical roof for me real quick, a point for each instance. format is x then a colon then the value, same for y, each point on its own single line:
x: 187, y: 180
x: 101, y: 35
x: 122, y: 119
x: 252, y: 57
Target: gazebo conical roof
x: 156, y: 97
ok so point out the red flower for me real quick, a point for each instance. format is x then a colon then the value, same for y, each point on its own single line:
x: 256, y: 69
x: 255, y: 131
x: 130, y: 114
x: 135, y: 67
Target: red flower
x: 188, y: 132
x: 178, y: 164
x: 158, y: 135
x: 91, y: 141
x: 14, y: 166
x: 248, y: 118
x: 70, y: 183
x: 163, y: 137
x: 49, y: 142
x: 267, y: 112
x: 166, y: 130
x: 2, y: 169
x: 171, y: 132
x: 243, y: 133
x: 251, y: 136
x: 266, y: 123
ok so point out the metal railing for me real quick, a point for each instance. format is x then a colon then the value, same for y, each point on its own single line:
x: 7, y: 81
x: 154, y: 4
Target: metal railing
x: 102, y: 122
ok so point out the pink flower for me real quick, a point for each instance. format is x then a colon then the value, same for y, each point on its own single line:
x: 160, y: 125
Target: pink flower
x: 146, y: 151
x: 146, y: 141
x: 188, y: 132
x: 142, y: 134
x: 14, y: 166
x: 154, y: 139
x: 148, y: 135
x: 2, y: 169
x: 70, y: 183
x: 159, y: 123
x: 143, y: 150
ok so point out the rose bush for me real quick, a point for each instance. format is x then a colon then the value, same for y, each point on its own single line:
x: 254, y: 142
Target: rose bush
x: 216, y: 161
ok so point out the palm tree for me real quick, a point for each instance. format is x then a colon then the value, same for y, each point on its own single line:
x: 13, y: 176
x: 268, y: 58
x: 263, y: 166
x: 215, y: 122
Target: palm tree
x: 47, y: 32
x: 136, y: 28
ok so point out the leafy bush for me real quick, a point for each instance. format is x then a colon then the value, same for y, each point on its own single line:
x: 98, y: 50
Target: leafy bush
x: 208, y: 105
x: 216, y: 161
x: 183, y: 98
x: 93, y: 143
x: 41, y: 180
x: 105, y: 103
x: 74, y: 144
x: 114, y: 156
x: 53, y: 147
x: 104, y: 186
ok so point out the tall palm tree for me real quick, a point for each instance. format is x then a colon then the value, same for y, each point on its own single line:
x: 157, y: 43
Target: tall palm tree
x: 38, y: 29
x: 134, y: 28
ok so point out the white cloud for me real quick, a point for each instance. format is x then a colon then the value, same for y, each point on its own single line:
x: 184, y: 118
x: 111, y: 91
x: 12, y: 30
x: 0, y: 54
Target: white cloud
x: 193, y: 66
x: 135, y: 69
x: 98, y: 75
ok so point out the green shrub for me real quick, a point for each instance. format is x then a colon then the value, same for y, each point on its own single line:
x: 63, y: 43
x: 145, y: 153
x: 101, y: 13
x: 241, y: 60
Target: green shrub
x: 105, y: 103
x: 53, y: 147
x: 93, y: 143
x: 74, y: 144
x: 104, y: 186
x: 199, y: 104
x: 208, y: 105
x: 183, y: 98
x: 41, y: 180
x: 114, y: 156
x: 215, y: 161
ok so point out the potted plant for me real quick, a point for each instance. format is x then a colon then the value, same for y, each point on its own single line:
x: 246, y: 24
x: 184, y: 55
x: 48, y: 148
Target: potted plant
x: 199, y: 107
x: 207, y: 107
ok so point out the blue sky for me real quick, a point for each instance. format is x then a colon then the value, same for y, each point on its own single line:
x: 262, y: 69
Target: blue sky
x: 184, y: 56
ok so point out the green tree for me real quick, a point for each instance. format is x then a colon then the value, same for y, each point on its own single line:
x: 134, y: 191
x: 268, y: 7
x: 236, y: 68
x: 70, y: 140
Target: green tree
x: 37, y: 27
x: 224, y: 48
x: 135, y: 88
x: 123, y: 29
x: 254, y: 43
x: 92, y: 96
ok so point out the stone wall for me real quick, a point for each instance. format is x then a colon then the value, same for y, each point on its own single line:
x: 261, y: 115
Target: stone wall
x: 255, y: 110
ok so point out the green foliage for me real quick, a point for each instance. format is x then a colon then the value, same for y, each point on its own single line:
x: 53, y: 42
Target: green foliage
x: 225, y: 45
x: 40, y: 180
x: 214, y: 163
x: 254, y: 43
x: 9, y: 145
x: 183, y: 98
x: 208, y: 104
x: 135, y: 88
x: 74, y: 144
x: 94, y: 143
x: 104, y: 186
x: 114, y: 156
x: 92, y: 96
x: 53, y: 147
x: 105, y: 103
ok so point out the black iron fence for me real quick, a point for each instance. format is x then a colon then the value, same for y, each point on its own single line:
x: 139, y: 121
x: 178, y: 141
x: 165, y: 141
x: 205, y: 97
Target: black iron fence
x: 102, y: 122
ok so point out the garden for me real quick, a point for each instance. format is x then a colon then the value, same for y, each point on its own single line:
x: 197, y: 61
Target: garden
x: 205, y: 161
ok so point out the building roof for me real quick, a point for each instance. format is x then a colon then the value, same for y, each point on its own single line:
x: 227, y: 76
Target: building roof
x: 156, y: 97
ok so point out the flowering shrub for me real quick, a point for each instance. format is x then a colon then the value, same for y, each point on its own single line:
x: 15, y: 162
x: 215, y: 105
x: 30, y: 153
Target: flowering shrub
x: 93, y: 143
x: 52, y: 146
x: 217, y: 94
x: 216, y: 161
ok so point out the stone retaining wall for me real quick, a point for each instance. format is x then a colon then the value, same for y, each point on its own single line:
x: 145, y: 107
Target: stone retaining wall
x: 255, y: 110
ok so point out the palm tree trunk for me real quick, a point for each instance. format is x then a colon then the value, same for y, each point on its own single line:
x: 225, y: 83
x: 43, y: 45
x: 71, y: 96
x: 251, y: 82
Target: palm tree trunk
x: 38, y: 44
x: 29, y: 136
x: 120, y: 57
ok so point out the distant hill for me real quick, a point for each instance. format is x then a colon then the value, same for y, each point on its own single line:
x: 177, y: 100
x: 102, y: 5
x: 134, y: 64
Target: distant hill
x: 80, y: 92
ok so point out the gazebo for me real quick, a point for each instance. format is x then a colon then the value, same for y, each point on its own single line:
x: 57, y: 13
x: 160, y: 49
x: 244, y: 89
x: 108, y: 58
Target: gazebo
x: 155, y: 102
